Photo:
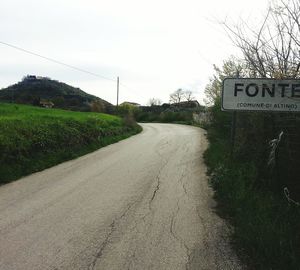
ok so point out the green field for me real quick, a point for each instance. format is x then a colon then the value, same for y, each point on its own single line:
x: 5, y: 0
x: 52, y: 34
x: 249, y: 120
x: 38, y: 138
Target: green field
x: 33, y: 138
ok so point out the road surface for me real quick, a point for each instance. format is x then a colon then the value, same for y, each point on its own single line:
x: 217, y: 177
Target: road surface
x: 143, y: 203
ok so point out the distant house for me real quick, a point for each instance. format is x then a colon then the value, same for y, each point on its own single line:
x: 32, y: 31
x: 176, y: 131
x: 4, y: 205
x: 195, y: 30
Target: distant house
x: 187, y: 104
x: 130, y: 103
x: 34, y: 78
x: 46, y: 104
x: 29, y: 78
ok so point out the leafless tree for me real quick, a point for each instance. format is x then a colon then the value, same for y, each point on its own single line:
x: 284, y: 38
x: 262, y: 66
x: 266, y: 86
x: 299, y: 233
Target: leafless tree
x: 272, y: 50
x: 154, y: 102
x: 291, y: 12
x: 177, y: 96
x: 188, y: 95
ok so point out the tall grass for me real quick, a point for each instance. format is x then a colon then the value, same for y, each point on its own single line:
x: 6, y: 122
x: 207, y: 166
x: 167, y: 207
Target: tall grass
x: 32, y: 138
x: 266, y: 227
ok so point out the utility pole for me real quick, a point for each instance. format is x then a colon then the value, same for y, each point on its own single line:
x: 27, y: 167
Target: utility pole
x: 118, y: 83
x: 12, y: 96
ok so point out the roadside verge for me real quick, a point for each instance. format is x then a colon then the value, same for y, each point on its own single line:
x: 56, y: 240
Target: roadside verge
x: 33, y: 139
x: 266, y: 225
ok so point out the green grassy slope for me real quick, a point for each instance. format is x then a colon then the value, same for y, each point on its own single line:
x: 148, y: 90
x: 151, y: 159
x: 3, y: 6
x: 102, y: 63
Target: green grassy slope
x: 32, y: 138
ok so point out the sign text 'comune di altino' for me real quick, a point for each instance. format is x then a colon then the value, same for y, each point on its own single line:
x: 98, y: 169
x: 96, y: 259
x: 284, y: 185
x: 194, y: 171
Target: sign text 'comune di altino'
x: 242, y: 94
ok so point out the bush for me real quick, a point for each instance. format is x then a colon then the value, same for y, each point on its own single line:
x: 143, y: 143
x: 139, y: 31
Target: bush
x: 266, y: 226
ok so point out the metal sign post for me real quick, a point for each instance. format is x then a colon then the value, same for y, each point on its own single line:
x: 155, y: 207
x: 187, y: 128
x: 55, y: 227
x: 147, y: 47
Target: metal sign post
x: 118, y: 85
x: 233, y: 129
x: 233, y: 124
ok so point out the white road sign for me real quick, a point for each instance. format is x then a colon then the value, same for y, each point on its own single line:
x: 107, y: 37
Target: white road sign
x: 261, y: 95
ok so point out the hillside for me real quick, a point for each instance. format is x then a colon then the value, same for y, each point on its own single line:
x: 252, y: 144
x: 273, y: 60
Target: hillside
x: 32, y: 90
x: 32, y: 138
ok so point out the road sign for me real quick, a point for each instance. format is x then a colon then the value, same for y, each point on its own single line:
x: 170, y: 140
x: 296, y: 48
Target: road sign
x: 243, y: 94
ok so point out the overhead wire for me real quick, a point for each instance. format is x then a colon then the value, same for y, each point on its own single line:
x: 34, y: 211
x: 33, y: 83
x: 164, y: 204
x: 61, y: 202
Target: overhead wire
x: 65, y: 64
x: 57, y: 61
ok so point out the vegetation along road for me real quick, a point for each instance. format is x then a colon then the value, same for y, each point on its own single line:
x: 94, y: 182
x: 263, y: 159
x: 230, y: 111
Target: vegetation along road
x: 142, y: 203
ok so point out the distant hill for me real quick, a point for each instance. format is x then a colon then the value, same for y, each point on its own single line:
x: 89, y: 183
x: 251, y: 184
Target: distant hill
x: 36, y: 90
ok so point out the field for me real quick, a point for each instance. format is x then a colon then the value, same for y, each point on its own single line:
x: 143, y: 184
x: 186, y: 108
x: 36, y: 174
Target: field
x: 33, y: 138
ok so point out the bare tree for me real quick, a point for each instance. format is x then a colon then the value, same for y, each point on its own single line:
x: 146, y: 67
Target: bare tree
x: 272, y: 50
x: 188, y: 95
x: 177, y: 96
x: 290, y: 11
x: 154, y: 102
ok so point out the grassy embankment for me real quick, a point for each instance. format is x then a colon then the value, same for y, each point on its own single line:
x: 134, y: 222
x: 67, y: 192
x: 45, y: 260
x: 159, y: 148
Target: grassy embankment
x: 32, y: 138
x: 266, y: 226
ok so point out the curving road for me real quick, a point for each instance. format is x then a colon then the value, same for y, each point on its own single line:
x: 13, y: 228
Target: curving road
x: 143, y: 203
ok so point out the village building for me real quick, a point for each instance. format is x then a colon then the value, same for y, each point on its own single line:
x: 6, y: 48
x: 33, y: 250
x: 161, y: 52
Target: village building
x: 130, y: 104
x: 46, y: 104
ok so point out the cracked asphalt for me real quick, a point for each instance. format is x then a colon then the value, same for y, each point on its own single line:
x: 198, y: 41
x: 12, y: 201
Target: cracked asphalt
x: 142, y: 203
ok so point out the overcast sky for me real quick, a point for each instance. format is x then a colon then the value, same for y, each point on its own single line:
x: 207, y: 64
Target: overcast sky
x: 154, y: 46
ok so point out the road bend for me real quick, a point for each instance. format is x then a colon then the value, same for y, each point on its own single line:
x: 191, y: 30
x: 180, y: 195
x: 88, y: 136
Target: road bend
x: 142, y: 203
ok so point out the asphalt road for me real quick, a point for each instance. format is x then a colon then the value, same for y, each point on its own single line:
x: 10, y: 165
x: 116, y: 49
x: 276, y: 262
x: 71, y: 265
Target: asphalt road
x: 143, y: 203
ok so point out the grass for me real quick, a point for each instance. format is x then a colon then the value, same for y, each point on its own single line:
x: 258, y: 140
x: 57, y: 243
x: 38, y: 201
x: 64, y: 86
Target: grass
x: 16, y: 111
x: 266, y: 227
x: 32, y: 138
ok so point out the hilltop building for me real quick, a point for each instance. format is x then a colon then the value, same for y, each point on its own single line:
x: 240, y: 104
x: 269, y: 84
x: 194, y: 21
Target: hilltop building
x: 30, y: 78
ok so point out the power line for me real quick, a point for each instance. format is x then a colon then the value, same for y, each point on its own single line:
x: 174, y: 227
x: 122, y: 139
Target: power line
x: 67, y: 65
x: 118, y: 85
x: 56, y: 61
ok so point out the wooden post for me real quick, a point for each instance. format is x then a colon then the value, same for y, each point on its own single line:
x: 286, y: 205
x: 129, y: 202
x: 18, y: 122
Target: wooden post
x: 118, y: 83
